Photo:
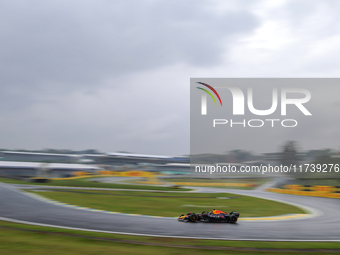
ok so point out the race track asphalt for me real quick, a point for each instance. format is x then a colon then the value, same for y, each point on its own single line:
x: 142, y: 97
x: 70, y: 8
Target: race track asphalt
x: 16, y: 205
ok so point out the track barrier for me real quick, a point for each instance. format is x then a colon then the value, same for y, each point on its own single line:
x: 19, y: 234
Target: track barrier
x: 309, y: 190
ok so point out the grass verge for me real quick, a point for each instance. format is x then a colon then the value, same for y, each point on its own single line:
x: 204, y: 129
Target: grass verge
x: 170, y: 204
x: 84, y: 182
x: 28, y: 239
x: 211, y: 183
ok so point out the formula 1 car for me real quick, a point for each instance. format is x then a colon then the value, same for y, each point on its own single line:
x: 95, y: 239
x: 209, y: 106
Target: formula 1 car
x: 213, y: 216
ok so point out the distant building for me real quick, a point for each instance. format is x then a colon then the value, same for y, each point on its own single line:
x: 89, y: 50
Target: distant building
x: 31, y: 169
x: 38, y: 157
x: 136, y: 159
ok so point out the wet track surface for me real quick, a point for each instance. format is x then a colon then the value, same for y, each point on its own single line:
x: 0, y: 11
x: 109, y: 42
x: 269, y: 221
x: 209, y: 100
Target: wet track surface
x: 16, y: 205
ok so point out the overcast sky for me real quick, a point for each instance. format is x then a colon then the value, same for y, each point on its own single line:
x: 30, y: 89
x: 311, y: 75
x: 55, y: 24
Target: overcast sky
x: 115, y: 75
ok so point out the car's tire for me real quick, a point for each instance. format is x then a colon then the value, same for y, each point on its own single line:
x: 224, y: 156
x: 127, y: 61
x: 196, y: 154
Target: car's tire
x: 193, y: 217
x: 232, y: 218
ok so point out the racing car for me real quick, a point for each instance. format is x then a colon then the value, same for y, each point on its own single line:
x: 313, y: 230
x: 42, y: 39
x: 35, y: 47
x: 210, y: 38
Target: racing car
x: 213, y: 216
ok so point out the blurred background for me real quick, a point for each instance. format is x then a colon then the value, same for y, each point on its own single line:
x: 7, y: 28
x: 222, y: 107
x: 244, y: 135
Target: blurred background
x: 102, y: 89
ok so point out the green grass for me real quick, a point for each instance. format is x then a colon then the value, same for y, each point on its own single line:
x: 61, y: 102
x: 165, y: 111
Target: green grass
x: 201, y: 180
x: 84, y: 182
x: 53, y: 241
x: 13, y: 181
x: 215, y: 182
x: 170, y: 204
x: 223, y: 187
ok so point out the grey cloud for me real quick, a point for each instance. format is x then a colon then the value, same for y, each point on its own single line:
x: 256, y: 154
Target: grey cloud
x: 114, y: 75
x: 84, y: 42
